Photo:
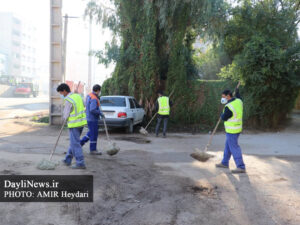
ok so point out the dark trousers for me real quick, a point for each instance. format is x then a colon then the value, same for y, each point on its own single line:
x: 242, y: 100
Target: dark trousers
x: 159, y: 119
x: 91, y: 136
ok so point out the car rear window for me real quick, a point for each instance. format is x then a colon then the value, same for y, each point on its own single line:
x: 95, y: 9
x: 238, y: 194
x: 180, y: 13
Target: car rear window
x: 23, y: 86
x: 112, y: 101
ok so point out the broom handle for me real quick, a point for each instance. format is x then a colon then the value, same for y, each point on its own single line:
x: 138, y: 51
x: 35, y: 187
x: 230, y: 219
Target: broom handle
x: 105, y: 126
x: 157, y: 112
x: 150, y: 121
x: 217, y: 125
x: 53, y: 150
x: 107, y: 136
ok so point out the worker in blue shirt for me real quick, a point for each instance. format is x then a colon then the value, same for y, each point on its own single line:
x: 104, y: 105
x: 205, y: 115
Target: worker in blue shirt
x: 93, y: 113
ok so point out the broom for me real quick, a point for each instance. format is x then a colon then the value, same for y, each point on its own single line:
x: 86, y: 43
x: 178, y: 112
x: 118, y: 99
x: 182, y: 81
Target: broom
x: 48, y: 164
x: 112, y: 148
x: 144, y: 130
x: 203, y: 156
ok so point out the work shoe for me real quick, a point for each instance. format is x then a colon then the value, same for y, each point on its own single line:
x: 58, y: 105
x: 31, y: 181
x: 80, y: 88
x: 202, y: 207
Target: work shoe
x: 95, y: 153
x: 65, y: 163
x: 78, y: 167
x: 221, y: 165
x: 238, y: 170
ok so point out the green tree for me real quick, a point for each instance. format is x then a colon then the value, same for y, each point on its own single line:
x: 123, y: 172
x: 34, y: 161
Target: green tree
x: 261, y: 38
x: 155, y: 50
x: 210, y: 62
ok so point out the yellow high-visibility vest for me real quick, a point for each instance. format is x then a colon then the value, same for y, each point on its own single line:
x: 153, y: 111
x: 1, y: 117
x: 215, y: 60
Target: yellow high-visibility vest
x: 77, y: 117
x: 234, y: 124
x: 164, y: 106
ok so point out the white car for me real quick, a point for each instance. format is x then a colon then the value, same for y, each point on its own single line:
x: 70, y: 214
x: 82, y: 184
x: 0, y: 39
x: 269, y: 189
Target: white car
x: 121, y: 111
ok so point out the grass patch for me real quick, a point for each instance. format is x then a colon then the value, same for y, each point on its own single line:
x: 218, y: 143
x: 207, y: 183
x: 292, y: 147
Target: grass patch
x: 40, y: 119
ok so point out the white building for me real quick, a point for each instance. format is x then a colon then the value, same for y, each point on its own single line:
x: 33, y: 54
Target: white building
x: 17, y: 46
x: 28, y: 51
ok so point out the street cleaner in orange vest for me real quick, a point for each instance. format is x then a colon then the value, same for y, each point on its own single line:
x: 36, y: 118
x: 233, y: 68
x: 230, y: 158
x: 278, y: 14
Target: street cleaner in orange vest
x: 93, y: 113
x: 75, y: 117
x: 162, y: 106
x: 233, y: 121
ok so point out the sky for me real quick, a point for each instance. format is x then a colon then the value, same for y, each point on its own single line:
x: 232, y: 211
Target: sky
x: 37, y: 12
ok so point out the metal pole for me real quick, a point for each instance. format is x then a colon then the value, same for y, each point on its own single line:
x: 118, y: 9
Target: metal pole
x: 64, y: 52
x: 90, y: 58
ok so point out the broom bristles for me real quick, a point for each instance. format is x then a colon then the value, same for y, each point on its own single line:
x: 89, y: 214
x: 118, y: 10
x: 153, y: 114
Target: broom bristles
x: 201, y: 156
x: 143, y: 131
x: 46, y: 165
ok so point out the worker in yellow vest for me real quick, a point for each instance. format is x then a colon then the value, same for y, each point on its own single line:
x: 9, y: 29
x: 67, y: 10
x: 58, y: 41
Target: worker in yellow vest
x: 74, y: 115
x: 162, y: 106
x: 233, y: 121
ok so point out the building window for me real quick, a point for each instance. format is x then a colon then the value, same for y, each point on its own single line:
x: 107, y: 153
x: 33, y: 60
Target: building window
x: 16, y: 21
x: 15, y: 32
x: 15, y: 43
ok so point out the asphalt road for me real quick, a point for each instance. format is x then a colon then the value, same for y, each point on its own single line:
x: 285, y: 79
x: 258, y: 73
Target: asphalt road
x: 21, y: 107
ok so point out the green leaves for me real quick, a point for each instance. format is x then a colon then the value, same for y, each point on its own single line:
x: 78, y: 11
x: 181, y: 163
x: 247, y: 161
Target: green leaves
x: 261, y: 40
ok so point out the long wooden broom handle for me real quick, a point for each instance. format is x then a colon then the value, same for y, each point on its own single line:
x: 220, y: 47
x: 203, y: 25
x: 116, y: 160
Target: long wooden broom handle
x: 107, y: 136
x: 150, y: 121
x: 217, y: 125
x: 105, y: 126
x: 53, y: 150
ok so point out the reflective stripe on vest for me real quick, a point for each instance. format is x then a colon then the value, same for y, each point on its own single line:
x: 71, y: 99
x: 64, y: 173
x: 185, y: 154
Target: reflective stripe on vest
x: 234, y: 124
x: 164, y: 106
x: 77, y: 117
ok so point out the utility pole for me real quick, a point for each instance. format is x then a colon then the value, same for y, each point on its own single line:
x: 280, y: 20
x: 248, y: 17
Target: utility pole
x: 64, y: 52
x: 65, y: 38
x: 90, y: 57
x: 55, y: 103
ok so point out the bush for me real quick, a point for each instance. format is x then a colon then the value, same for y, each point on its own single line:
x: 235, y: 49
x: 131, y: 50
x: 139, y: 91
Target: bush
x: 204, y: 108
x: 270, y: 82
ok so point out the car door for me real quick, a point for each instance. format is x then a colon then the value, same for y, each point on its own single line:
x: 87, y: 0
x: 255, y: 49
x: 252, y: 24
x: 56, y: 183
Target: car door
x: 139, y: 111
x: 133, y: 110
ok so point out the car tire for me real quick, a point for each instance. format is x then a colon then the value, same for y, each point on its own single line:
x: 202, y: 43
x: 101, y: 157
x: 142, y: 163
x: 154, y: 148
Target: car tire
x: 129, y: 128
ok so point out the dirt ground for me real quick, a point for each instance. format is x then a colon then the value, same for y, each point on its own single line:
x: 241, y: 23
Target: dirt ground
x: 154, y: 181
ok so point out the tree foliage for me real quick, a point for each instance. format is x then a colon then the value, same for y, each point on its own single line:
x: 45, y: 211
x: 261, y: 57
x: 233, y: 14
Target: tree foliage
x: 210, y: 62
x: 261, y: 38
x: 156, y: 45
x: 152, y: 48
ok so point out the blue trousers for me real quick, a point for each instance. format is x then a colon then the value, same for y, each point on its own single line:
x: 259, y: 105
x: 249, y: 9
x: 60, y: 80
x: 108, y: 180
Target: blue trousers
x: 75, y: 147
x: 92, y: 135
x: 232, y: 148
